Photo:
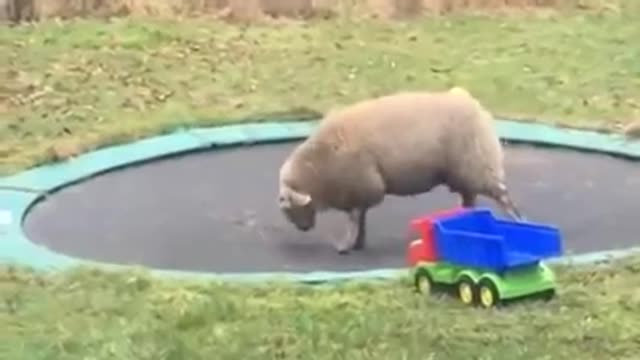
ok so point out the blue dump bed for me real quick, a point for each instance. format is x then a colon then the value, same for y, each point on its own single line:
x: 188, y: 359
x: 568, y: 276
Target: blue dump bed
x: 476, y: 238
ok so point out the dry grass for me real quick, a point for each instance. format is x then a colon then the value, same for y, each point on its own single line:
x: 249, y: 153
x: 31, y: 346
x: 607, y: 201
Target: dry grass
x: 255, y: 9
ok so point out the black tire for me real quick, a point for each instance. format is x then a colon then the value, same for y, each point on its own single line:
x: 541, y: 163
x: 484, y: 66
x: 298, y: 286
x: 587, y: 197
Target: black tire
x: 488, y: 295
x: 467, y: 290
x: 424, y: 282
x: 548, y: 295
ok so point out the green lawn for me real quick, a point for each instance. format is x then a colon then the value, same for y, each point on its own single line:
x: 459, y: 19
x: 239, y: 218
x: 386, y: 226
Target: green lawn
x: 85, y: 83
x: 92, y: 315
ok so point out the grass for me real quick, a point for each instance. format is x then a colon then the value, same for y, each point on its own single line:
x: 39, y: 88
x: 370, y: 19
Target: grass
x: 69, y: 87
x: 88, y: 314
x: 84, y: 83
x: 253, y: 9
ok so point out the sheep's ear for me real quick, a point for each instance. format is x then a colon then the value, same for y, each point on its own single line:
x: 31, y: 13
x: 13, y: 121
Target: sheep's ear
x: 283, y: 201
x: 289, y: 197
x: 300, y: 199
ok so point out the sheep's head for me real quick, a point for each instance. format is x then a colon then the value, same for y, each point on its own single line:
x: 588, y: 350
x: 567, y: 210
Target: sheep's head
x: 298, y: 208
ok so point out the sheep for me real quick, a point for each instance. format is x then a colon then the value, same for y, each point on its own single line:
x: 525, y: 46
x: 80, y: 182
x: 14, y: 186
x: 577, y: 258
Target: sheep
x: 401, y: 144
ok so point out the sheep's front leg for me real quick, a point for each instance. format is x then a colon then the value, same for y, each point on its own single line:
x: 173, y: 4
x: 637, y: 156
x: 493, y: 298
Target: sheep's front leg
x: 354, y: 237
x: 361, y: 238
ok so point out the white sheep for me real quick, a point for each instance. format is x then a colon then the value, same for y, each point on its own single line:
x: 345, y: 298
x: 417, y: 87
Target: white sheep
x: 401, y: 144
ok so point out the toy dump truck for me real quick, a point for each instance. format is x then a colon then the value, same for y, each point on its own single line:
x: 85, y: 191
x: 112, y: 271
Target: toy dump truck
x: 487, y: 260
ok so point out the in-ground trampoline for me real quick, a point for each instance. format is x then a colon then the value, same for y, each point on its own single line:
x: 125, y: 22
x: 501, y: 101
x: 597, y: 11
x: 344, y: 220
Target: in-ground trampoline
x: 207, y: 204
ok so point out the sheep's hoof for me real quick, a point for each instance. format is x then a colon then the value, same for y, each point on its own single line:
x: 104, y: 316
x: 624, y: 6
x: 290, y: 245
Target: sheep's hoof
x: 342, y: 250
x: 359, y: 245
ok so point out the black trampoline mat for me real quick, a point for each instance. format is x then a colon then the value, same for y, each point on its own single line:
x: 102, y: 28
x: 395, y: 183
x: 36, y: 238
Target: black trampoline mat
x: 216, y: 211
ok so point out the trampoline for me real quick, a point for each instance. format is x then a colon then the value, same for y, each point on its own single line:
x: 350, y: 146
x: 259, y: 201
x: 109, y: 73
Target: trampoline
x: 204, y: 202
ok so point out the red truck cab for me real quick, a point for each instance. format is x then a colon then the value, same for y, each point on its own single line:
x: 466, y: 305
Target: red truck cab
x: 422, y: 243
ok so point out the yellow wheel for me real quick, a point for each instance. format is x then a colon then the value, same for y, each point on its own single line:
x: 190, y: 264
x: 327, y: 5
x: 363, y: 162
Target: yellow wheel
x: 488, y: 293
x: 467, y: 290
x: 424, y: 283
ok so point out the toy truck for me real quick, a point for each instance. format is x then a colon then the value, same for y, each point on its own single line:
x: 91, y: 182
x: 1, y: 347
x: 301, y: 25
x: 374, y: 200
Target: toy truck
x: 487, y: 260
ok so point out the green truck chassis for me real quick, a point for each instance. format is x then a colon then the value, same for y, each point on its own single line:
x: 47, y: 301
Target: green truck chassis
x: 486, y: 288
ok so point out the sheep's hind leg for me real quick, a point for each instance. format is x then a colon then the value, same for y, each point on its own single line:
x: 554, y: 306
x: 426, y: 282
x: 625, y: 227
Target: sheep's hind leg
x: 468, y: 199
x: 501, y: 195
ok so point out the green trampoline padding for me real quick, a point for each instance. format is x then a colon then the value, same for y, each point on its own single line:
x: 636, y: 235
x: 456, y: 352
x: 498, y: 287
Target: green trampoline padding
x: 15, y: 248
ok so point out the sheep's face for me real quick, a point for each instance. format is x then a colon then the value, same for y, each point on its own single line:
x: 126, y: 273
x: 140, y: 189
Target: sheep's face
x: 298, y: 208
